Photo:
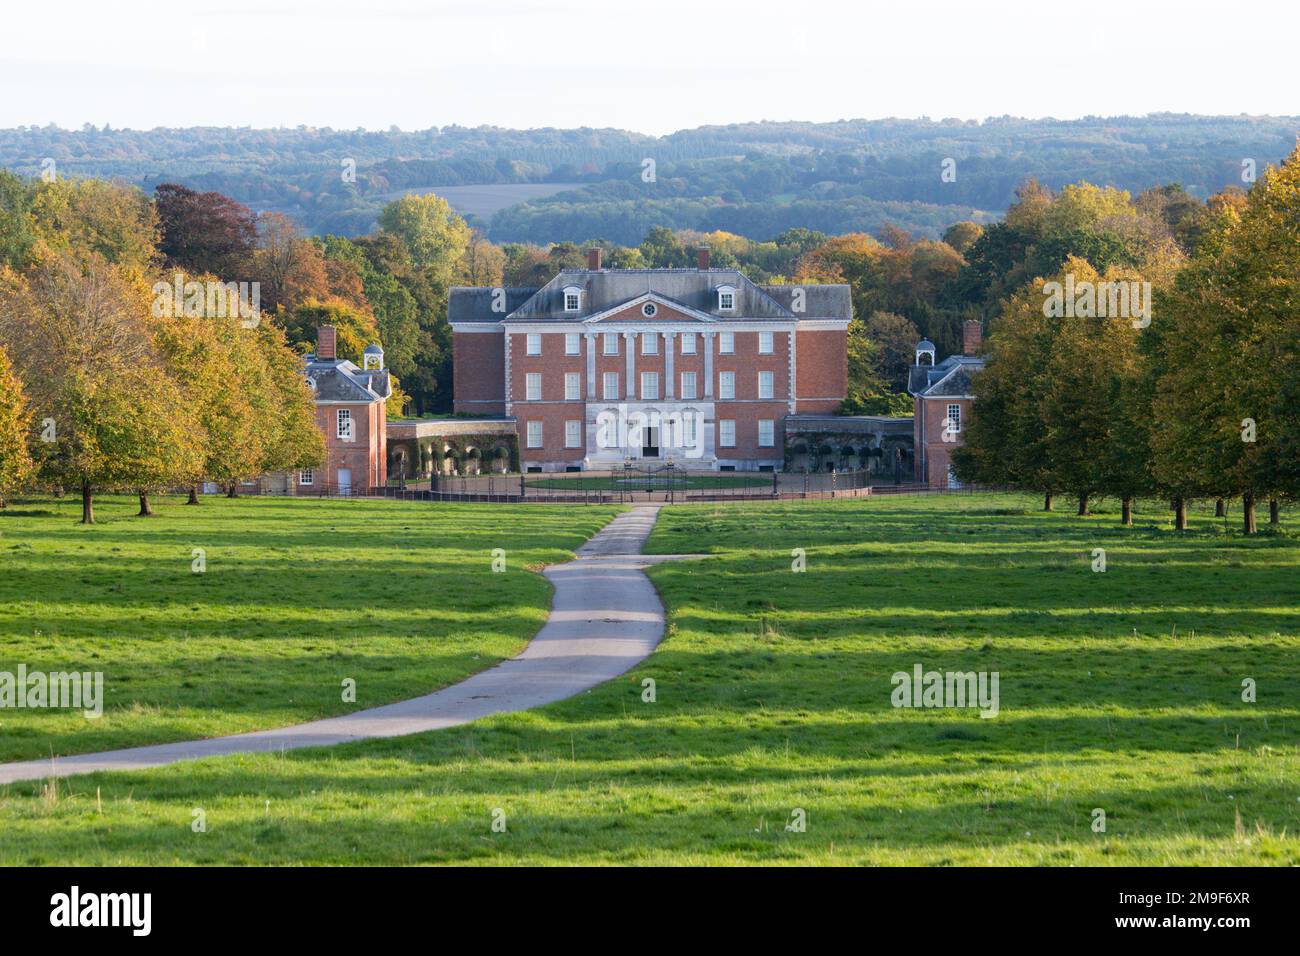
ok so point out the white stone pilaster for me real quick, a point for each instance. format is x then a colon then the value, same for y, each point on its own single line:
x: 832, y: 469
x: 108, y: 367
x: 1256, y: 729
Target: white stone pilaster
x: 794, y: 369
x: 668, y: 364
x: 708, y: 365
x: 629, y: 345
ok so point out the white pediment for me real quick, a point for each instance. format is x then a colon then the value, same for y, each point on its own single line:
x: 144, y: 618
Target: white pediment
x: 637, y: 305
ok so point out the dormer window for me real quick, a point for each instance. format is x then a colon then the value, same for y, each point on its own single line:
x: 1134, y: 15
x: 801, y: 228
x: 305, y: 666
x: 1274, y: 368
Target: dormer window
x: 572, y: 299
x: 726, y: 298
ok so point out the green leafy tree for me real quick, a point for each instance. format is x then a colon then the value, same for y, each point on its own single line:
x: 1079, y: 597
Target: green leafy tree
x: 434, y: 236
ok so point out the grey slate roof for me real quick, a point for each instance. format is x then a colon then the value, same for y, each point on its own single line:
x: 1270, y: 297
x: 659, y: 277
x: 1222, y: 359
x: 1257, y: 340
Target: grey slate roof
x: 474, y: 304
x: 951, y: 378
x: 338, y: 380
x: 694, y: 289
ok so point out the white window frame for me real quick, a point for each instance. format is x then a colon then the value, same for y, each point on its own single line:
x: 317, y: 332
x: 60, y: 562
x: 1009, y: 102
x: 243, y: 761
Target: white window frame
x: 726, y: 425
x: 726, y: 343
x: 534, y: 440
x: 572, y: 299
x: 649, y: 343
x: 726, y: 299
x: 606, y: 393
x: 573, y: 433
x: 649, y: 386
x: 533, y: 387
x: 765, y: 343
x: 609, y: 343
x: 688, y: 337
x: 307, y: 476
x: 572, y: 386
x: 727, y: 385
x: 767, y: 440
x: 534, y: 343
x: 343, y: 429
x: 688, y: 394
x: 689, y: 424
x: 766, y: 384
x: 953, y: 419
x: 572, y: 343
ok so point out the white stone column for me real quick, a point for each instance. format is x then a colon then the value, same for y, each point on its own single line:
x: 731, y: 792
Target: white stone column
x: 591, y: 365
x: 629, y: 343
x: 668, y: 365
x: 708, y: 365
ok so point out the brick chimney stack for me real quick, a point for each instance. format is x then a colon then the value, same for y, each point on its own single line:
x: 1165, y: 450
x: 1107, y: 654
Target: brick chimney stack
x: 971, y: 336
x: 593, y: 259
x: 703, y: 256
x: 326, y: 343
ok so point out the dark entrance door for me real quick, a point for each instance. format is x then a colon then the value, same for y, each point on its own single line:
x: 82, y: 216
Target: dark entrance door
x: 650, y: 443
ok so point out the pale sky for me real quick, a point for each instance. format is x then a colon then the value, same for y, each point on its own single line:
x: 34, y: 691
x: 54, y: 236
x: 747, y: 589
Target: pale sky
x: 653, y: 66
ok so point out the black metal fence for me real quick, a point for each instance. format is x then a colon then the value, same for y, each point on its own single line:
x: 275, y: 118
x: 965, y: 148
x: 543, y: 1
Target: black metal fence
x: 664, y: 484
x: 667, y: 483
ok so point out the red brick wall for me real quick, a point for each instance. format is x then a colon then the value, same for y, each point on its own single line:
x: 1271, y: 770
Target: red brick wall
x: 822, y: 370
x: 746, y: 416
x: 938, y: 453
x: 478, y: 372
x: 552, y: 363
x: 552, y: 418
x: 365, y: 455
x: 747, y: 363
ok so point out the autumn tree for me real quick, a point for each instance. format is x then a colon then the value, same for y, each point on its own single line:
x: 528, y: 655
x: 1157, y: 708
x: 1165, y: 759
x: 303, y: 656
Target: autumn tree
x: 91, y: 217
x: 1225, y: 418
x: 15, y: 460
x: 1006, y: 441
x: 290, y: 267
x: 1085, y: 394
x: 481, y: 264
x: 356, y: 329
x: 79, y: 331
x: 205, y: 232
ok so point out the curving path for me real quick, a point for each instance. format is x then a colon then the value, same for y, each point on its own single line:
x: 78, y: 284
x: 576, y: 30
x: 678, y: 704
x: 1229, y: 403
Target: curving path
x: 605, y: 617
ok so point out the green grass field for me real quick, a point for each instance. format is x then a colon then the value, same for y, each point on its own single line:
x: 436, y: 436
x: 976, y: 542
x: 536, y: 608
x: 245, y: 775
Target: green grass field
x: 1119, y: 690
x: 297, y: 595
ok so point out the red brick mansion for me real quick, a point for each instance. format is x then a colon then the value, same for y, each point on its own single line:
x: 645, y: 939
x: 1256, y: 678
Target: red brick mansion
x: 599, y: 366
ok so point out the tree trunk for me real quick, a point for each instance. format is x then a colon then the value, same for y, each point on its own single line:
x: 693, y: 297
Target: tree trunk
x: 1047, y: 501
x: 2, y: 502
x: 1180, y: 514
x: 1127, y: 507
x: 1248, y: 513
x: 194, y: 495
x: 145, y: 510
x: 1273, y: 516
x: 1218, y: 508
x: 1083, y: 504
x: 87, y: 504
x: 232, y: 490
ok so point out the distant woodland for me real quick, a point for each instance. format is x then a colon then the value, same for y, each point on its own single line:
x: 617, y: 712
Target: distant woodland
x: 755, y: 180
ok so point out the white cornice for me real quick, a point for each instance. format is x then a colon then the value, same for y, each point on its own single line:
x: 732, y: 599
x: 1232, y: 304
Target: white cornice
x: 477, y: 327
